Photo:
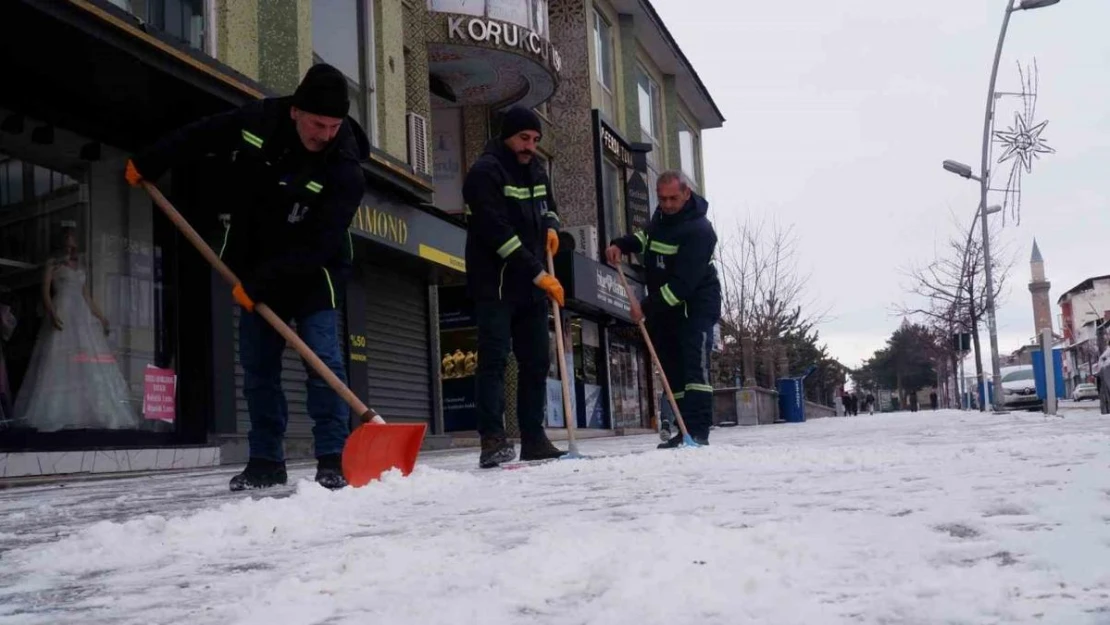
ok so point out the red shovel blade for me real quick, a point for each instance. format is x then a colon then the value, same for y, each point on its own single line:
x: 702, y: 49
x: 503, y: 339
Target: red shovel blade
x: 375, y: 448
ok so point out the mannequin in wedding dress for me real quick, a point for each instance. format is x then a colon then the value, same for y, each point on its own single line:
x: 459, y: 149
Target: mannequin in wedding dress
x: 73, y: 380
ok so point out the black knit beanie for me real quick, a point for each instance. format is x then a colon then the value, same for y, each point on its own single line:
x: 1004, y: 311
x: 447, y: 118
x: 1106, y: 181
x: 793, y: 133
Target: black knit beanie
x: 519, y: 119
x: 323, y: 92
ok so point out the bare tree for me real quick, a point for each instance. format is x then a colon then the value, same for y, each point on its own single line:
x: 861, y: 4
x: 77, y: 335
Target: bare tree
x: 953, y: 291
x: 763, y: 299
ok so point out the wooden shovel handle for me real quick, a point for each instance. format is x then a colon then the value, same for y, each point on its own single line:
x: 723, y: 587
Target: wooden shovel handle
x: 287, y: 333
x: 654, y: 357
x: 568, y: 414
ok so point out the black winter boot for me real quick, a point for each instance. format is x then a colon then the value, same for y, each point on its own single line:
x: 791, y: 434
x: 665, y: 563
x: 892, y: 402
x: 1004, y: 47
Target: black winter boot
x: 329, y: 472
x: 539, y: 447
x: 495, y: 450
x: 676, y: 441
x: 260, y: 473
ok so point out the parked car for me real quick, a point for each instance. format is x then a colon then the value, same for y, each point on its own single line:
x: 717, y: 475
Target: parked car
x: 1085, y: 390
x: 1019, y: 388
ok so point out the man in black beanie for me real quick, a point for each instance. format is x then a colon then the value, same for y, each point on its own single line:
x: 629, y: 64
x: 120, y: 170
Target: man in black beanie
x: 295, y: 184
x: 512, y: 225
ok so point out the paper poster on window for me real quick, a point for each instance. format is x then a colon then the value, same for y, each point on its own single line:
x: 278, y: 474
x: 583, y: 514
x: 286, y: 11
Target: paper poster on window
x: 555, y: 416
x: 595, y: 418
x: 159, y: 386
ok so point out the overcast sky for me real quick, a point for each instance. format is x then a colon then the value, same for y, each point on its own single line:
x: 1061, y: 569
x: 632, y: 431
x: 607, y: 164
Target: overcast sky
x: 839, y: 115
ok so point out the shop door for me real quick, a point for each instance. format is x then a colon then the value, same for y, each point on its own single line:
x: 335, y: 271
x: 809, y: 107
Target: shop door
x: 397, y: 346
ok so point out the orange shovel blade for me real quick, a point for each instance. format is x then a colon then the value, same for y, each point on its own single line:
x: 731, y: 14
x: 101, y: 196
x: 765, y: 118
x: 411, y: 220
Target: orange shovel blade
x: 374, y: 448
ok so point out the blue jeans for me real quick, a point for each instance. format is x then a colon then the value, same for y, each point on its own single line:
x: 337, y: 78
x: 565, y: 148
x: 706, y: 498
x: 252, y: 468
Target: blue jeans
x: 260, y: 350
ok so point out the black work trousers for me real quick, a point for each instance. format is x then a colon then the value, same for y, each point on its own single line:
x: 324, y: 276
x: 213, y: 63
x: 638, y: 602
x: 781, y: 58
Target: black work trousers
x: 523, y: 329
x: 683, y: 345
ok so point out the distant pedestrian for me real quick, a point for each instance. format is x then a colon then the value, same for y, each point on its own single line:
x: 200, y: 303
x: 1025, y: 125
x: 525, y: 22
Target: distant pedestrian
x: 870, y: 403
x: 933, y: 400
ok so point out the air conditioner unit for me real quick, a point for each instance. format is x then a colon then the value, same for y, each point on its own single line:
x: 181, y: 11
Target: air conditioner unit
x: 585, y: 240
x: 418, y: 144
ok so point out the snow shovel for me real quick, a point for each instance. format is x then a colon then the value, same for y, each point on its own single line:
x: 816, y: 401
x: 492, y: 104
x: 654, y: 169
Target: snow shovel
x: 568, y: 415
x: 375, y: 446
x: 687, y: 440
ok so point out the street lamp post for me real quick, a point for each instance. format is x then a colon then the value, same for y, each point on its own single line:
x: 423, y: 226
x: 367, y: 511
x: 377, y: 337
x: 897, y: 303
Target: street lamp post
x: 984, y: 185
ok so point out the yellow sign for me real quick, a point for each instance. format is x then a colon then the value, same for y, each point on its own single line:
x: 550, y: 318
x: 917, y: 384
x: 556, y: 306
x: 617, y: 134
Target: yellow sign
x: 358, y: 342
x: 381, y: 224
x: 439, y: 256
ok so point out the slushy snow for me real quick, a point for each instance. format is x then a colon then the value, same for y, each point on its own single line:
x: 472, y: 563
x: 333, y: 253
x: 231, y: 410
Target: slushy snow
x: 942, y: 517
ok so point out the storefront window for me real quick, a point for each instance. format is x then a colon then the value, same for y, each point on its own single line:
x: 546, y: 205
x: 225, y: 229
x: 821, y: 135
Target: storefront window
x: 587, y: 353
x: 612, y: 183
x: 458, y: 338
x: 627, y: 383
x: 555, y: 417
x: 81, y: 319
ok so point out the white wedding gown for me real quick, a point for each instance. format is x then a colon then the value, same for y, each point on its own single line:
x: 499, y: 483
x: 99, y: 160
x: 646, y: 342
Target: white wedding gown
x: 73, y: 380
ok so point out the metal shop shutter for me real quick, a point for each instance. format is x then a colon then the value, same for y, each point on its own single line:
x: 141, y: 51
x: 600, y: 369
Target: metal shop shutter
x: 397, y: 346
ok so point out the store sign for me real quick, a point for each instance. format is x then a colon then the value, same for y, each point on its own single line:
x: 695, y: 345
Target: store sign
x: 412, y: 231
x: 615, y: 147
x: 637, y: 201
x: 599, y: 286
x: 503, y: 35
x: 381, y: 224
x: 357, y: 347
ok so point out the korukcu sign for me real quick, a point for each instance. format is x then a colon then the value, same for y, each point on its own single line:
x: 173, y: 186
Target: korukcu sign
x: 503, y: 34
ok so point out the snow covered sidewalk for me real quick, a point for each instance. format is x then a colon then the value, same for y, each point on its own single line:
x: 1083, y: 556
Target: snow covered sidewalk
x: 940, y: 517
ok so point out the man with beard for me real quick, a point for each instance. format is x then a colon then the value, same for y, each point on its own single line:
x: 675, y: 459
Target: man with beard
x: 512, y: 225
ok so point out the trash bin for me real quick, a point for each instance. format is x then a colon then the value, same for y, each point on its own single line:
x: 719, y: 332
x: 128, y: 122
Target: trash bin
x: 792, y: 405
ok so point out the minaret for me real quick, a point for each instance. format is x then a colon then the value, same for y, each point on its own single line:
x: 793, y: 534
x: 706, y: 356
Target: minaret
x: 1038, y: 287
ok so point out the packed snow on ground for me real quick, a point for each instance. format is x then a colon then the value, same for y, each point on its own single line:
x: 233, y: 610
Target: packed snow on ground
x: 942, y: 517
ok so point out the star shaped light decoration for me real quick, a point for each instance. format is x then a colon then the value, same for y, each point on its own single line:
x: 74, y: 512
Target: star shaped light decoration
x: 1022, y: 143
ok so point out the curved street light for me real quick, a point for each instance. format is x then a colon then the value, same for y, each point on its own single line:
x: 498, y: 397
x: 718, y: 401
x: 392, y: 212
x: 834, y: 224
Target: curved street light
x: 984, y: 184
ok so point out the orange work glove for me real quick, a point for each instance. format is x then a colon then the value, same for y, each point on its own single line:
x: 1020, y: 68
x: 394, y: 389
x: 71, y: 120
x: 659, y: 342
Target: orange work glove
x: 551, y: 286
x: 242, y: 298
x: 552, y: 242
x: 132, y: 174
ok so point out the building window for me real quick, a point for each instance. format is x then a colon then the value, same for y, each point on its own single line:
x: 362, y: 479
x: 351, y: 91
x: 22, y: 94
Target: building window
x: 184, y: 20
x: 612, y: 186
x: 690, y: 150
x: 651, y: 127
x: 448, y: 159
x: 603, y: 69
x: 342, y: 36
x: 83, y: 296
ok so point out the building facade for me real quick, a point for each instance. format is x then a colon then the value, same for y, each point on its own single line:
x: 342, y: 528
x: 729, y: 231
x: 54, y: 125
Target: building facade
x: 154, y: 343
x: 1084, y: 311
